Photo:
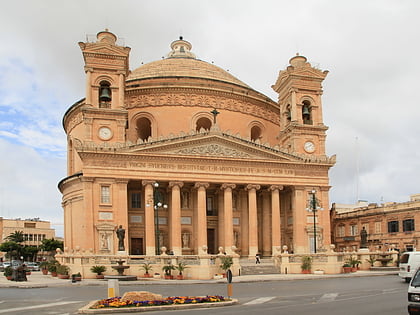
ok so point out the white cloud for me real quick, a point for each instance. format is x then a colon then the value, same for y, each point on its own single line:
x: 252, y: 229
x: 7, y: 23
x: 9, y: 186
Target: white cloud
x: 370, y: 49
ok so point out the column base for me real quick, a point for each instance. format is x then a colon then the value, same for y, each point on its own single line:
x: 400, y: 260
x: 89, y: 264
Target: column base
x: 122, y: 253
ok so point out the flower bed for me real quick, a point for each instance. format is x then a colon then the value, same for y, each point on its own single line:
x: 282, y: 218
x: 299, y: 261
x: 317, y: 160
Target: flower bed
x: 116, y: 302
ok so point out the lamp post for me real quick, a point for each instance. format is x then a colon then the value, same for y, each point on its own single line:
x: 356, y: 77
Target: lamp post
x: 314, y: 207
x: 157, y: 203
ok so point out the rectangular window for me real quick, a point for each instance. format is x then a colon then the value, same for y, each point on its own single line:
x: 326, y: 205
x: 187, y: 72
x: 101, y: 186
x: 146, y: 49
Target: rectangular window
x: 30, y: 225
x: 354, y: 230
x: 341, y: 230
x: 105, y: 194
x: 135, y: 200
x: 392, y: 226
x: 408, y: 225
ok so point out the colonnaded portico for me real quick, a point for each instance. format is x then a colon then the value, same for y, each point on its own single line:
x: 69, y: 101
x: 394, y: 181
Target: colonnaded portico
x: 191, y: 161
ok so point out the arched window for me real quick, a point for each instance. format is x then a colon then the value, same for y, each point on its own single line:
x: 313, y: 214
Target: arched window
x: 307, y: 113
x: 144, y: 128
x: 105, y: 95
x: 255, y: 133
x: 204, y: 123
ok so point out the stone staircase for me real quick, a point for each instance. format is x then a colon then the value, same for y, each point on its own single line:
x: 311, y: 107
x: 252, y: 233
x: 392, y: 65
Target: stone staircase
x: 249, y: 267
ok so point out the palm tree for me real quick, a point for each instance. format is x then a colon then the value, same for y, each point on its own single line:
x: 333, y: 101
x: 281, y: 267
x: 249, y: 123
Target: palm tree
x: 16, y: 236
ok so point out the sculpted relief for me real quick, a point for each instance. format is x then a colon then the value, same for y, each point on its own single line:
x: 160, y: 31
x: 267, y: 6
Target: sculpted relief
x: 139, y: 101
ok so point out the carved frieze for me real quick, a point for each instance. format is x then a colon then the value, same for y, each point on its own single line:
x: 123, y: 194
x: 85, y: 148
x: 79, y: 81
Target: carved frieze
x: 203, y: 100
x: 213, y: 150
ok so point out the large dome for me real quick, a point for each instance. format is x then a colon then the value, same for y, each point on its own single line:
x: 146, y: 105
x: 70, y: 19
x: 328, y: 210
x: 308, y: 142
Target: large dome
x: 181, y: 62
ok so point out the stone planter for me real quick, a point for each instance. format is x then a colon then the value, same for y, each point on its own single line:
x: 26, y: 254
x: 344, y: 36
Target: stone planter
x: 180, y: 277
x: 147, y: 275
x: 63, y: 276
x: 346, y: 269
x: 44, y: 271
x: 100, y: 276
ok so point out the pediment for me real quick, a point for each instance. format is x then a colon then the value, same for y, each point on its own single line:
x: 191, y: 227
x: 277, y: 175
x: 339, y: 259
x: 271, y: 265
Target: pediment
x: 104, y: 49
x: 217, y: 146
x: 310, y: 72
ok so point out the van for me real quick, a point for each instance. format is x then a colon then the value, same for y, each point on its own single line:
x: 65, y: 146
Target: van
x: 409, y: 263
x: 414, y: 294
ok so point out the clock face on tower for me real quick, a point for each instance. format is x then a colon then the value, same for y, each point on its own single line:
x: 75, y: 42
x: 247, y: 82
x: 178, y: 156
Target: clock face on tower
x: 309, y: 146
x: 105, y: 133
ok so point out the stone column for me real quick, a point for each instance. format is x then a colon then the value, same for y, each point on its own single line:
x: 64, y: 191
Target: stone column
x: 266, y: 225
x: 121, y: 91
x: 275, y: 219
x: 201, y: 227
x: 88, y: 99
x: 253, y: 220
x: 149, y: 218
x: 228, y: 217
x: 175, y: 218
x: 244, y: 223
x: 121, y: 216
x: 300, y: 236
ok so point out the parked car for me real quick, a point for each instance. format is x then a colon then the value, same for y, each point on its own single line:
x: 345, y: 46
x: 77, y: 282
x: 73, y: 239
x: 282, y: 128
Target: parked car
x: 4, y: 264
x: 409, y: 263
x: 414, y: 294
x: 33, y: 266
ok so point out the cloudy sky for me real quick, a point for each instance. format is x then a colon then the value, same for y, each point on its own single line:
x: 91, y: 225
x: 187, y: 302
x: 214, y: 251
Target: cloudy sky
x: 370, y: 99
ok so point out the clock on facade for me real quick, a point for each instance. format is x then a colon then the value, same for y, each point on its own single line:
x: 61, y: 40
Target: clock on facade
x: 309, y: 146
x: 105, y: 133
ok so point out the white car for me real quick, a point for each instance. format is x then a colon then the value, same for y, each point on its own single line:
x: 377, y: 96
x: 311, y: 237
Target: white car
x: 414, y: 294
x: 33, y: 266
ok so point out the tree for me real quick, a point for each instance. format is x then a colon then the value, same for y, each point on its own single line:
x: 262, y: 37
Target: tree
x: 16, y: 236
x: 50, y: 245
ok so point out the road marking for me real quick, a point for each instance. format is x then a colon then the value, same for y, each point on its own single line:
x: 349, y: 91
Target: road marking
x: 36, y: 306
x: 260, y: 300
x: 328, y: 297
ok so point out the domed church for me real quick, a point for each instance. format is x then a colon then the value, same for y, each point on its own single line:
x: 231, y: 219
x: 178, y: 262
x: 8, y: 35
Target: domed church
x: 187, y: 160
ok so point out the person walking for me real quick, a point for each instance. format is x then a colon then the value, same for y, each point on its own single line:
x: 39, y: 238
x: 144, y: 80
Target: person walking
x: 257, y: 259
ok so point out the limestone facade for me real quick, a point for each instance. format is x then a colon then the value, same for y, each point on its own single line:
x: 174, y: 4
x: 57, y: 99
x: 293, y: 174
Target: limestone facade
x: 185, y: 156
x: 390, y: 225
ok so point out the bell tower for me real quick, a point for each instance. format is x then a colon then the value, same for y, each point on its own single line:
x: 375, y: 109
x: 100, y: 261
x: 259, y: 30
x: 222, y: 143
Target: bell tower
x: 106, y: 67
x: 301, y: 125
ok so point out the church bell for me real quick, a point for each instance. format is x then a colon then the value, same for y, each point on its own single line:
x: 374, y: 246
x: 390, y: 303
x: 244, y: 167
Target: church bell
x: 306, y: 111
x: 105, y: 94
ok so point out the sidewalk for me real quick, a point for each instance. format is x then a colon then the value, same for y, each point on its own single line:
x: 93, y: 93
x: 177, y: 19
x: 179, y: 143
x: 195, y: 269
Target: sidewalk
x: 38, y: 280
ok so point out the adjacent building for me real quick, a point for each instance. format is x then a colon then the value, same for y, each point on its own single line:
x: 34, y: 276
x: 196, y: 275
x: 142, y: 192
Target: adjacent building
x: 183, y: 155
x: 389, y: 226
x: 34, y: 230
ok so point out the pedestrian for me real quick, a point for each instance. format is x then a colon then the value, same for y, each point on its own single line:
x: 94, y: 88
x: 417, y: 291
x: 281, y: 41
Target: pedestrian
x: 257, y: 259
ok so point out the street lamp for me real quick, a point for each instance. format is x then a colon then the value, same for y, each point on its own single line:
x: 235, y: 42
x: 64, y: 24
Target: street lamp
x: 157, y: 203
x: 314, y: 207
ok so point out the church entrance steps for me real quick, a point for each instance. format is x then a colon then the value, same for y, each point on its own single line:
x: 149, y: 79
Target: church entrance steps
x: 249, y: 267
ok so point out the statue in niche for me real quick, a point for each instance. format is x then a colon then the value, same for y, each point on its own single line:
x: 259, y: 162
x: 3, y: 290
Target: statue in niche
x: 236, y: 238
x: 120, y: 235
x: 104, y: 241
x: 185, y: 240
x: 185, y: 196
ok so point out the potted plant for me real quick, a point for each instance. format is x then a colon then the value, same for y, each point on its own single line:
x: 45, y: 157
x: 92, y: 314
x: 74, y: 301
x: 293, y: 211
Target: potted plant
x: 147, y: 267
x: 226, y: 263
x: 63, y: 272
x: 98, y: 269
x: 353, y: 262
x: 76, y: 276
x: 52, y: 268
x: 306, y: 264
x: 168, y: 269
x: 346, y: 268
x: 8, y: 271
x: 44, y: 267
x: 371, y: 260
x: 180, y: 267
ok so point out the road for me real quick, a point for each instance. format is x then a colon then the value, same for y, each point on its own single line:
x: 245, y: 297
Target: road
x: 385, y: 295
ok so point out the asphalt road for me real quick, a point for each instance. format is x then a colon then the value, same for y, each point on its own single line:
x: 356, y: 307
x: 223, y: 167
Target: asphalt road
x: 384, y: 295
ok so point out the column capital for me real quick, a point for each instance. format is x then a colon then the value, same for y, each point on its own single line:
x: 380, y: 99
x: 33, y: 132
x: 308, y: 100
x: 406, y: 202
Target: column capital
x: 275, y: 187
x: 121, y: 181
x: 201, y: 185
x: 179, y: 184
x: 226, y: 186
x: 252, y: 186
x: 147, y: 182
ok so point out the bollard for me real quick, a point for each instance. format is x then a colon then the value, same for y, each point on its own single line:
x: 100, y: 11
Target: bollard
x: 113, y: 288
x: 229, y: 283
